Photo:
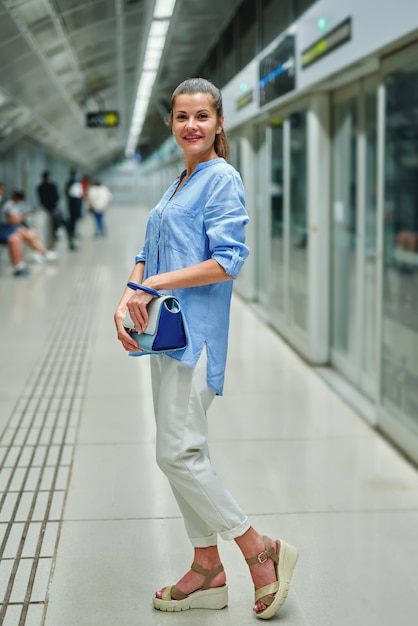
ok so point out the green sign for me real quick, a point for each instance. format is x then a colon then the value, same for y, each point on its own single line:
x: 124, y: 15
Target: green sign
x: 329, y: 42
x: 244, y: 100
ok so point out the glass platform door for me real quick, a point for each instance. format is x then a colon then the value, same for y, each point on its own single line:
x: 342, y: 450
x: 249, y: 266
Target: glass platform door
x: 288, y: 221
x: 398, y: 411
x: 354, y: 286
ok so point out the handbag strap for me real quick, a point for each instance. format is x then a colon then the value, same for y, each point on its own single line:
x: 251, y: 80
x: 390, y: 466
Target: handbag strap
x: 136, y: 286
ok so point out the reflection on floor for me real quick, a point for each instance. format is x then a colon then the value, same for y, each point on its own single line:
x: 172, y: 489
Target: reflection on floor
x: 88, y: 525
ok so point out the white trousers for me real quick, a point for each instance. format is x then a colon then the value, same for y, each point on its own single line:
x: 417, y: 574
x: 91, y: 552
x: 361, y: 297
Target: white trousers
x: 181, y: 400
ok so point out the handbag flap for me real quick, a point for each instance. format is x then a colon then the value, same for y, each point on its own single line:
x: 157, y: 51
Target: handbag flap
x: 154, y: 309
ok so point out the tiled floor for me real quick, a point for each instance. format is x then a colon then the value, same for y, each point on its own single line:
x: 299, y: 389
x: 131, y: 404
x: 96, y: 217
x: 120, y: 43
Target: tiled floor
x: 88, y: 525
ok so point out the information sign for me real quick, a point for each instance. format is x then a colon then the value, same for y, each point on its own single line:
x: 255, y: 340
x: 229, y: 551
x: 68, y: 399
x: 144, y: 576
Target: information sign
x: 102, y: 119
x: 277, y: 71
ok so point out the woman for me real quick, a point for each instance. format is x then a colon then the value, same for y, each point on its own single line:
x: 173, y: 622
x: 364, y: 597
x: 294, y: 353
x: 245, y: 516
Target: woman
x: 194, y: 247
x: 98, y: 199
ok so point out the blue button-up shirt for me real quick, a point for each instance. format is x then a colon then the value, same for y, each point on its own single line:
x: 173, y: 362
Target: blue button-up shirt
x: 204, y: 220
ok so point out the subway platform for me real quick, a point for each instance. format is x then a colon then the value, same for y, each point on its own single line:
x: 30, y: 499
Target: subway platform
x: 88, y: 525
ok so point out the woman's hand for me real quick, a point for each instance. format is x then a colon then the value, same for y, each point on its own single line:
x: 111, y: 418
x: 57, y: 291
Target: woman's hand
x: 136, y: 305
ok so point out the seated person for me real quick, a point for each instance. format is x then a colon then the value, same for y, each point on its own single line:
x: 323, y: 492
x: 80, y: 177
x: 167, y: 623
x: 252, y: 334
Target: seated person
x: 14, y: 242
x: 16, y: 230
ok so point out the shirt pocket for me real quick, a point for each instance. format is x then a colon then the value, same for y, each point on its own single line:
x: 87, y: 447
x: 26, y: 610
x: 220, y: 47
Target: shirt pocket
x: 182, y: 227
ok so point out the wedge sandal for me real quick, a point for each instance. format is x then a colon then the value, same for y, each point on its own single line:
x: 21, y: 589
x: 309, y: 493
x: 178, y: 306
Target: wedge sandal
x: 285, y: 557
x: 204, y: 598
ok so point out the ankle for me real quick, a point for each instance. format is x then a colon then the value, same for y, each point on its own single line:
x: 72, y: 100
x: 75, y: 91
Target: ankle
x: 20, y: 266
x: 207, y: 557
x: 251, y: 543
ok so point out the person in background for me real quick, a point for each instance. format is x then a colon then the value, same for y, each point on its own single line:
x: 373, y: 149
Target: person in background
x: 74, y: 195
x: 48, y: 197
x: 194, y: 249
x: 98, y: 200
x: 14, y: 240
x: 85, y: 183
x: 15, y: 216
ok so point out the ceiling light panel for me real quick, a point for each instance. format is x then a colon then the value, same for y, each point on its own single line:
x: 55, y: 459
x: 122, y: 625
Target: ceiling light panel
x: 164, y: 9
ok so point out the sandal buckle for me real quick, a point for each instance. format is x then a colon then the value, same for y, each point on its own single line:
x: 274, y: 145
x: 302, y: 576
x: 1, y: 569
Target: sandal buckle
x: 262, y: 557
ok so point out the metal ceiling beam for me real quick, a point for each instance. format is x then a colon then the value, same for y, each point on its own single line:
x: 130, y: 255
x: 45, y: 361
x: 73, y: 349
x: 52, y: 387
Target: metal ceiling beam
x: 59, y: 141
x: 25, y: 31
x: 120, y: 67
x: 71, y: 150
x: 63, y: 38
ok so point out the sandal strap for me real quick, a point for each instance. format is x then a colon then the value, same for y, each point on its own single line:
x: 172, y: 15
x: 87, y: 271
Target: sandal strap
x: 173, y: 593
x: 268, y: 553
x: 209, y: 574
x: 264, y: 594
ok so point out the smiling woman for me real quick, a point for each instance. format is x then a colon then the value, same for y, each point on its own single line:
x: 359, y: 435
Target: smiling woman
x: 196, y: 101
x: 195, y: 126
x: 194, y: 248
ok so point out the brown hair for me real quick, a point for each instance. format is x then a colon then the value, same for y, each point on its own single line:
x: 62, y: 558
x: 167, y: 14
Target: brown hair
x: 201, y: 85
x: 17, y: 194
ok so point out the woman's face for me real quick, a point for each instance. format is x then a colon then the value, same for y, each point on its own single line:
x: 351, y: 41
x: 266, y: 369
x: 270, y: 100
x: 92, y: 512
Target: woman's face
x: 195, y: 125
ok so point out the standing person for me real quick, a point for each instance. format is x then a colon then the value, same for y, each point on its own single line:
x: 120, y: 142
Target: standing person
x: 74, y: 195
x: 98, y: 200
x: 48, y: 197
x: 85, y: 183
x: 194, y: 248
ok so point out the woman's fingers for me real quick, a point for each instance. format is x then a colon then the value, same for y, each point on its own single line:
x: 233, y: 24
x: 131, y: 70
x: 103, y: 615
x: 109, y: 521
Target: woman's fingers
x: 137, y: 307
x: 127, y: 341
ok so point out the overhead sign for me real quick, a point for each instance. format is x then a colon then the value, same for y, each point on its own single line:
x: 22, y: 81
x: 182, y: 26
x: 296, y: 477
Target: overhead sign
x: 102, y: 119
x: 277, y: 71
x: 244, y: 100
x: 327, y: 43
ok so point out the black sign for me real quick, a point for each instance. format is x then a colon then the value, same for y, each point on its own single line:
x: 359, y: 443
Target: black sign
x: 102, y: 119
x: 329, y: 42
x: 277, y: 71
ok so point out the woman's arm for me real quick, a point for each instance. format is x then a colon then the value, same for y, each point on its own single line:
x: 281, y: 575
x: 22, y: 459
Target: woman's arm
x: 136, y: 302
x: 15, y: 218
x: 138, y: 315
x: 204, y: 273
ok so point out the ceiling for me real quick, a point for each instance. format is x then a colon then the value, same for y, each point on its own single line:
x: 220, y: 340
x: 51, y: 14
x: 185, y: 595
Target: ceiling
x: 60, y: 59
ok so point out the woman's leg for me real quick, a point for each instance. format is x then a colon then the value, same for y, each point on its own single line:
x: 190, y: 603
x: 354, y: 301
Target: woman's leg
x: 100, y: 223
x: 15, y: 246
x: 181, y: 400
x: 30, y: 236
x: 96, y: 219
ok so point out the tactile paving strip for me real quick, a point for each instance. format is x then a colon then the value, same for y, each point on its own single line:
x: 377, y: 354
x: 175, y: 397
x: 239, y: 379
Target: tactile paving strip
x: 36, y: 454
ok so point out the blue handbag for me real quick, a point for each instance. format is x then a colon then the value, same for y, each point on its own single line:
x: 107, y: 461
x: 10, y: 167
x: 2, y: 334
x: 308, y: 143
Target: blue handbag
x: 165, y: 331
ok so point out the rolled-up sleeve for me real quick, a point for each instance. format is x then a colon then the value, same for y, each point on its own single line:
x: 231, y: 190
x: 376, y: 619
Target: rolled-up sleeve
x: 225, y: 219
x: 140, y: 257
